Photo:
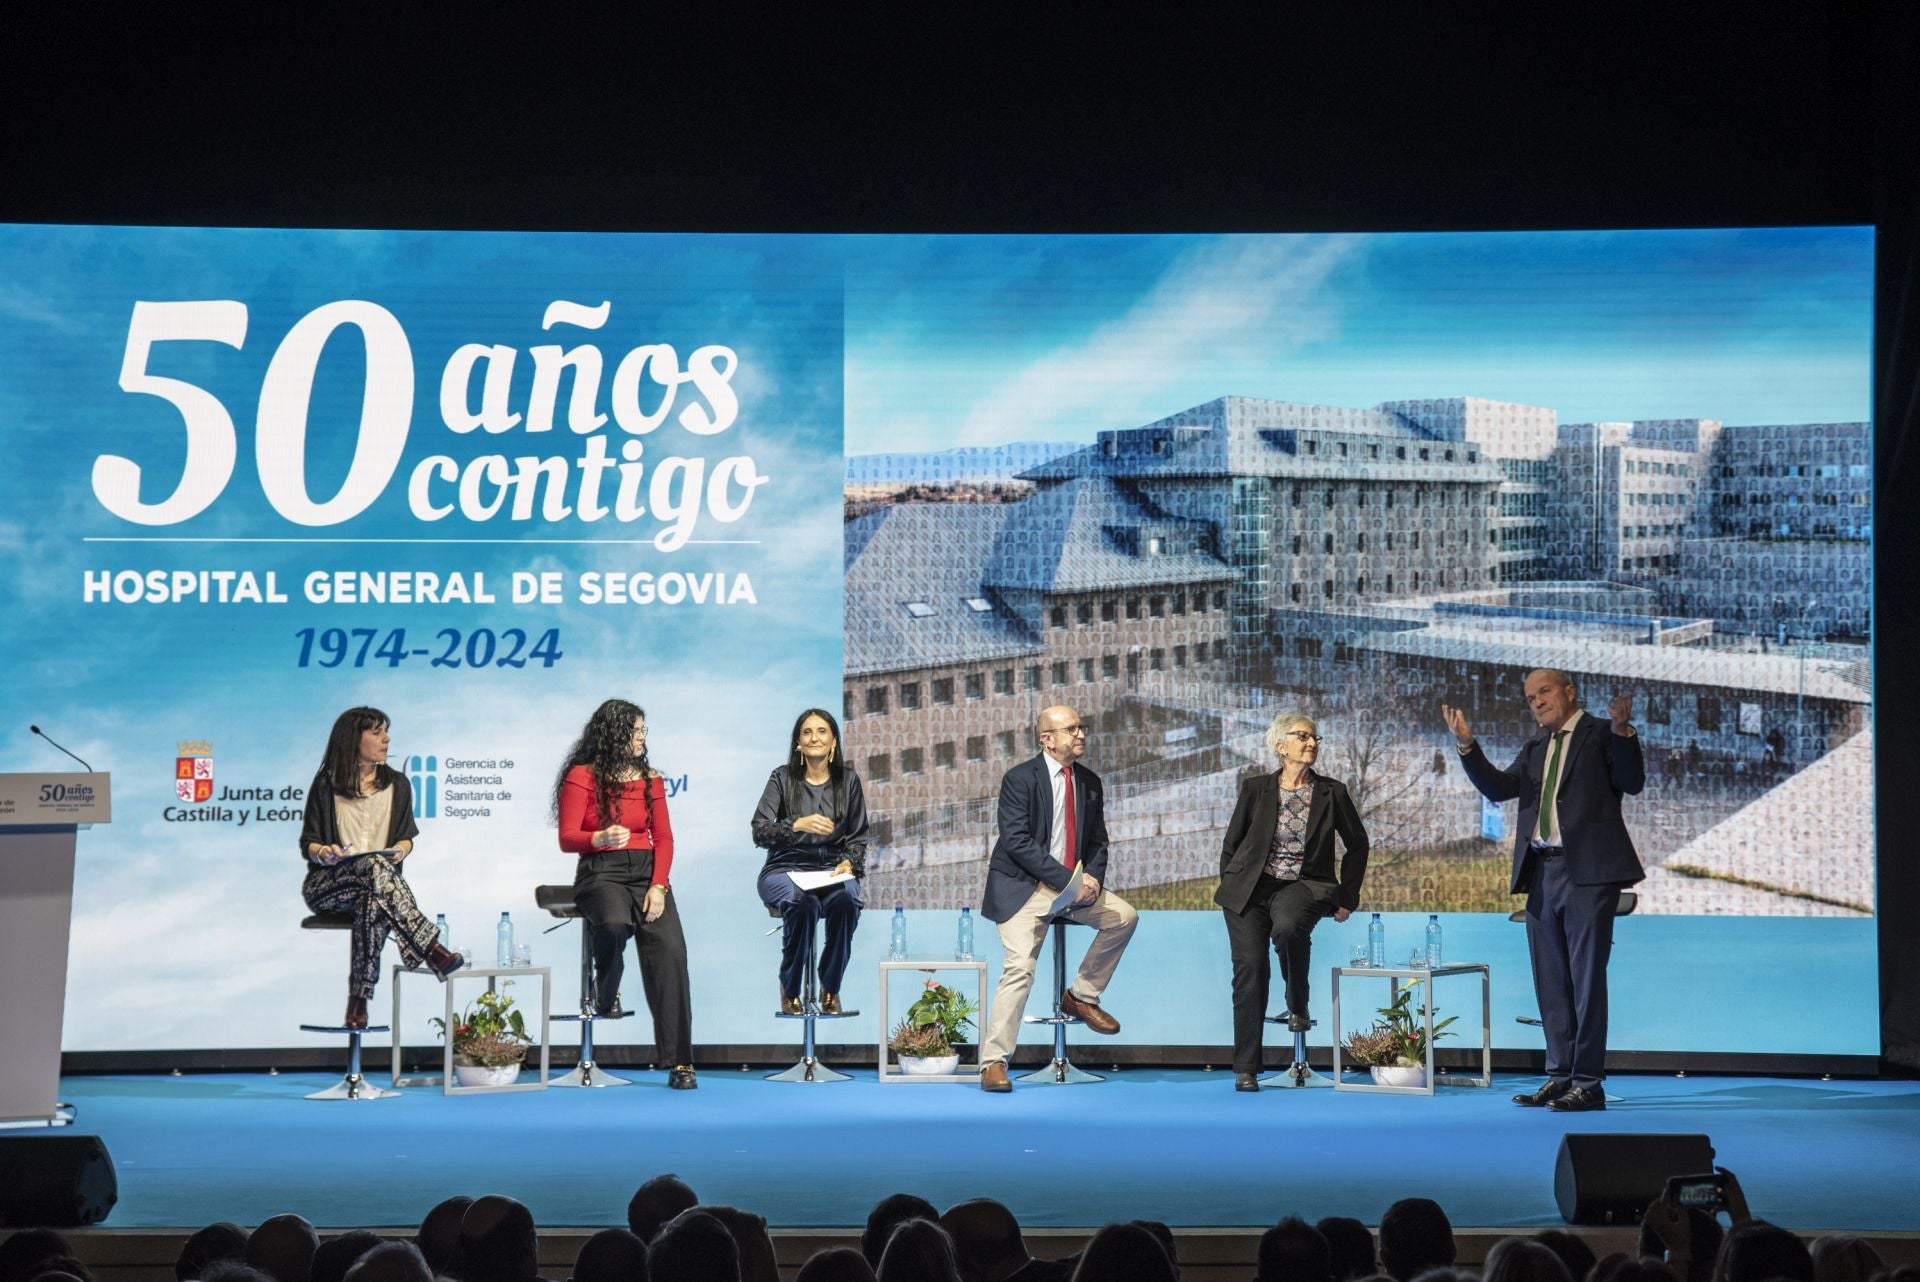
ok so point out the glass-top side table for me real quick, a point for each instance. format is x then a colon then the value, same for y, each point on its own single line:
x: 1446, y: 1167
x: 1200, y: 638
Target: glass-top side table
x: 1426, y: 975
x: 447, y: 1081
x: 931, y: 965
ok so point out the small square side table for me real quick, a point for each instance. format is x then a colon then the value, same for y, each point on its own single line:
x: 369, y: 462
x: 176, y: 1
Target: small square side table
x: 966, y: 1073
x: 1426, y: 975
x: 492, y: 974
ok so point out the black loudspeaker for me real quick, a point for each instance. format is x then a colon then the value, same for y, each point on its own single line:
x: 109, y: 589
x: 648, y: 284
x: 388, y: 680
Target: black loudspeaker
x: 55, y: 1181
x: 1609, y: 1179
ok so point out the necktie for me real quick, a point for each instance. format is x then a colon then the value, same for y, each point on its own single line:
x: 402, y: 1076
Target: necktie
x: 1548, y: 788
x: 1066, y: 778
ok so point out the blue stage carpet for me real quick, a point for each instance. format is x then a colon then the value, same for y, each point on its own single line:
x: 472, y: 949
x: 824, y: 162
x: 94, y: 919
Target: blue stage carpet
x: 1179, y: 1146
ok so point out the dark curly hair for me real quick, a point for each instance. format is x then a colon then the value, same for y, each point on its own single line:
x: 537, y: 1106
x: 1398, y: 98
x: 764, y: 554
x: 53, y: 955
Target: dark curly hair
x: 341, y: 764
x: 606, y: 748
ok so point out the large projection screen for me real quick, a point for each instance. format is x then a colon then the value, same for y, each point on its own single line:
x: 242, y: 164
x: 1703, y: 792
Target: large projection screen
x: 1182, y: 483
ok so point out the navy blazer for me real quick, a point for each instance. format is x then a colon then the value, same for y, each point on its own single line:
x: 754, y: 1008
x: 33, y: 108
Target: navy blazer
x: 1022, y: 856
x: 1596, y: 769
x: 1249, y: 840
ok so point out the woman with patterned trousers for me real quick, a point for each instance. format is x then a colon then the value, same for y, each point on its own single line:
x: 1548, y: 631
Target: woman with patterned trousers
x: 611, y: 807
x: 358, y: 830
x: 1277, y: 879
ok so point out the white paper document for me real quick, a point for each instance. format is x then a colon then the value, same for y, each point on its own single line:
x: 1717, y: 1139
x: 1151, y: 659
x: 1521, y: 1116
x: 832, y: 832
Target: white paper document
x: 816, y: 880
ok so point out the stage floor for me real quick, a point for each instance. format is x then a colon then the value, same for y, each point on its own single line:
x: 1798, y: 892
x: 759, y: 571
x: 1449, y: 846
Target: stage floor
x: 1179, y: 1146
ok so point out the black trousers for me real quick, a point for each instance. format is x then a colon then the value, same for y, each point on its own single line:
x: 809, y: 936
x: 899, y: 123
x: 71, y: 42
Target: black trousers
x: 610, y: 890
x: 1569, y: 939
x: 1280, y: 915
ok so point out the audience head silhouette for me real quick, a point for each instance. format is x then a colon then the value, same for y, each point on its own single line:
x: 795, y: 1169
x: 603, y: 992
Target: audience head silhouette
x: 1415, y: 1235
x: 657, y: 1201
x: 986, y: 1240
x: 612, y: 1255
x: 694, y: 1246
x: 757, y: 1263
x: 22, y: 1254
x: 835, y: 1264
x: 1294, y: 1251
x: 1756, y: 1251
x: 219, y: 1241
x: 1519, y: 1259
x: 1124, y: 1253
x: 283, y: 1248
x: 439, y: 1235
x: 498, y: 1242
x: 919, y: 1250
x: 336, y: 1255
x: 1349, y: 1247
x: 391, y: 1262
x: 889, y: 1211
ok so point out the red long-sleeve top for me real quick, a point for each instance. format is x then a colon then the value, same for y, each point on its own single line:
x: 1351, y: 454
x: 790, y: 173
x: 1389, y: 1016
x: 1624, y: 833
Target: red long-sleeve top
x: 580, y: 818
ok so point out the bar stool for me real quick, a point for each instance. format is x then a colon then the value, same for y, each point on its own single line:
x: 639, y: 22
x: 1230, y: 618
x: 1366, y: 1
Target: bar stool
x: 1629, y: 900
x: 1060, y: 1072
x: 353, y: 1086
x: 1296, y: 1073
x: 809, y: 1069
x: 558, y: 901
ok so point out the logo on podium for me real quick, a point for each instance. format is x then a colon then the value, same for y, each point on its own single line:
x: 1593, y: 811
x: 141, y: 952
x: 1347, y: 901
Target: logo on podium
x: 193, y: 771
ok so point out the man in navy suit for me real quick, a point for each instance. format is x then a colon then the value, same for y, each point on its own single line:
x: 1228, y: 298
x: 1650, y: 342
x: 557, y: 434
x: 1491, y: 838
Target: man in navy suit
x: 1572, y: 858
x: 1052, y: 824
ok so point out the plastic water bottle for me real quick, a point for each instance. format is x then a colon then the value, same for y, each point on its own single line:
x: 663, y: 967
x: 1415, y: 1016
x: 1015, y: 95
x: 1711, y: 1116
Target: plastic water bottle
x: 963, y: 943
x: 440, y: 924
x: 503, y: 941
x: 897, y: 944
x: 1376, y: 942
x: 1433, y: 940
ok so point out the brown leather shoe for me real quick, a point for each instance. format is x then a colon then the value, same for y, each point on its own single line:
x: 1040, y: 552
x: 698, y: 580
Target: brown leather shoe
x: 830, y: 1004
x: 994, y: 1078
x: 443, y: 961
x: 1088, y: 1013
x: 791, y: 1005
x: 356, y: 1016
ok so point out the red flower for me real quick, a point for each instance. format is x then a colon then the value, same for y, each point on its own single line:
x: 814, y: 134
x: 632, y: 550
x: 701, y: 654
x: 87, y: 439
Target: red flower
x: 464, y: 1029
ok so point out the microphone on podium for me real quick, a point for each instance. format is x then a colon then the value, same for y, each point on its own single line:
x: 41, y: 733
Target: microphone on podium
x: 44, y: 735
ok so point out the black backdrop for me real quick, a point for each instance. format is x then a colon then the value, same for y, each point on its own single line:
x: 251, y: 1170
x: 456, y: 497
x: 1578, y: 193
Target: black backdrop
x: 1384, y: 117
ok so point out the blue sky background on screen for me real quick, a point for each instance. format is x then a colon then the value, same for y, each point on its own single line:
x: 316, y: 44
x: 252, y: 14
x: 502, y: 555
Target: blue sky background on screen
x: 980, y: 340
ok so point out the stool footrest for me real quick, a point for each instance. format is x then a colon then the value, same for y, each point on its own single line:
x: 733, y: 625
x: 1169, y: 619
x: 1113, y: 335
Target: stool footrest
x: 337, y: 1028
x: 814, y: 1014
x: 1051, y: 1019
x: 586, y: 1019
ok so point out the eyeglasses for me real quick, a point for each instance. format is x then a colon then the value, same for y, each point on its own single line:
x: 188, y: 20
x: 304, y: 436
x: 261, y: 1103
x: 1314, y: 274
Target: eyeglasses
x: 1304, y: 737
x: 1073, y: 729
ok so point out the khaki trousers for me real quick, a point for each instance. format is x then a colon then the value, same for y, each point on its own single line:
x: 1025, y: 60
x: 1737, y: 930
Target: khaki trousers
x: 1022, y: 936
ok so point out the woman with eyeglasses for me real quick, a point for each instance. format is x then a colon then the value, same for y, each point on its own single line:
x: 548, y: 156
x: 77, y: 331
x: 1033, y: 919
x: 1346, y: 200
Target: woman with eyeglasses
x: 611, y: 808
x: 1277, y: 879
x: 812, y: 817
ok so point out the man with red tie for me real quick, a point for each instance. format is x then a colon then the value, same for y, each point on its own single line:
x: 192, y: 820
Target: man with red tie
x: 1051, y: 826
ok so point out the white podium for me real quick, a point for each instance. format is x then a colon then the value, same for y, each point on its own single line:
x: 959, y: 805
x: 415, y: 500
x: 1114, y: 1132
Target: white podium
x: 40, y: 816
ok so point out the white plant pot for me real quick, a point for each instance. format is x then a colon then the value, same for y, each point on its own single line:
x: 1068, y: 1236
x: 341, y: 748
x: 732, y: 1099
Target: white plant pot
x: 929, y: 1065
x: 1400, y: 1075
x: 482, y: 1075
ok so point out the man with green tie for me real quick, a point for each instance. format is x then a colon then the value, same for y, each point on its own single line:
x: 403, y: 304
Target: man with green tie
x: 1571, y: 858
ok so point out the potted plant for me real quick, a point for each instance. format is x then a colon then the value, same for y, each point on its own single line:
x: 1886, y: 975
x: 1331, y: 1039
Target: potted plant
x: 925, y: 1039
x: 1395, y: 1047
x: 489, y: 1041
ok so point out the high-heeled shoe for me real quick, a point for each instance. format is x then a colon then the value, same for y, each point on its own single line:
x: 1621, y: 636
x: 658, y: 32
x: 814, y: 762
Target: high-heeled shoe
x: 443, y: 961
x: 356, y: 1016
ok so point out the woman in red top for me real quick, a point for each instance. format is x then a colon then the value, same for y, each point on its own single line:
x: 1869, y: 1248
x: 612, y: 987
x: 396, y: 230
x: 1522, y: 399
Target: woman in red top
x: 612, y: 810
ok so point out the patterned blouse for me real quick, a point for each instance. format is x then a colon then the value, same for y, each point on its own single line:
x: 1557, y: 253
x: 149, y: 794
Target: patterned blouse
x: 1290, y: 831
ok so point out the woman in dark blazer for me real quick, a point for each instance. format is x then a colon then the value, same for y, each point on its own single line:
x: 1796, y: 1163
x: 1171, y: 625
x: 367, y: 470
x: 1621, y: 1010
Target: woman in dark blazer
x: 1277, y: 879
